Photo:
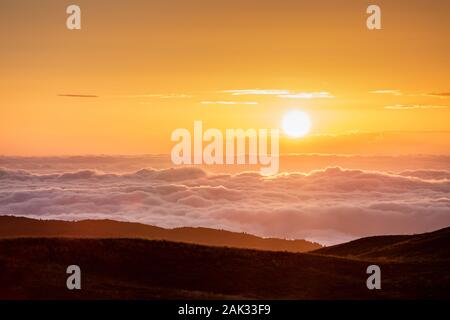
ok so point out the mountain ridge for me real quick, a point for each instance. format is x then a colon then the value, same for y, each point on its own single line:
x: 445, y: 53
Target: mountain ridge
x: 433, y: 245
x: 16, y: 227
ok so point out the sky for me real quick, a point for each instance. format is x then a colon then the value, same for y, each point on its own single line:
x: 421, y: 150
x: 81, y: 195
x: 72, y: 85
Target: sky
x: 137, y: 70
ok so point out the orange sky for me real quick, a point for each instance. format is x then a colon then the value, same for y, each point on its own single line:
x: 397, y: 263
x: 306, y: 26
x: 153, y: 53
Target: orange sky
x: 159, y: 65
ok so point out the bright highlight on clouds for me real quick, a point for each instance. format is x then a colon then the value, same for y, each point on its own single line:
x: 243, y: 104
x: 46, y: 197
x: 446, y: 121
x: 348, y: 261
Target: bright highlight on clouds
x: 282, y: 93
x: 442, y: 95
x: 330, y: 205
x: 307, y: 95
x: 230, y: 102
x: 414, y: 106
x: 388, y: 91
x: 256, y: 92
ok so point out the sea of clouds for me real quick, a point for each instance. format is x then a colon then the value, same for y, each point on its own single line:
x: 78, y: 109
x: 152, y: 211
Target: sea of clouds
x: 329, y: 205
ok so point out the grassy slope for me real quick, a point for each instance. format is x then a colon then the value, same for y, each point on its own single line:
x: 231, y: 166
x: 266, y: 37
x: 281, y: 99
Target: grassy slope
x: 421, y: 247
x: 134, y: 268
x: 13, y: 227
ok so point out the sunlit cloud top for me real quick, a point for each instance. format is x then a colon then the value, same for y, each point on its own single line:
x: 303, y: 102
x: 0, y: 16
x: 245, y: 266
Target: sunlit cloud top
x: 230, y: 102
x: 281, y: 93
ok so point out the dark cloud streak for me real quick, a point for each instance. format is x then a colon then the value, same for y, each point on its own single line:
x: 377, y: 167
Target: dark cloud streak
x: 77, y: 95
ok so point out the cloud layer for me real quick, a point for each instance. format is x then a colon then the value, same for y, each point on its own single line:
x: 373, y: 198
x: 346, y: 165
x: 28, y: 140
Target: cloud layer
x: 329, y: 206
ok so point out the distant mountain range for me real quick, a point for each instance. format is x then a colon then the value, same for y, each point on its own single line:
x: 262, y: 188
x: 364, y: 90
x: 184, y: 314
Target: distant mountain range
x: 13, y: 227
x: 33, y: 266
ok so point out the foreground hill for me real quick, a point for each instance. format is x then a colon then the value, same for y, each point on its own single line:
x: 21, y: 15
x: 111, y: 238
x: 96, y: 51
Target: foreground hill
x: 13, y: 227
x: 421, y: 247
x: 143, y: 269
x: 115, y: 264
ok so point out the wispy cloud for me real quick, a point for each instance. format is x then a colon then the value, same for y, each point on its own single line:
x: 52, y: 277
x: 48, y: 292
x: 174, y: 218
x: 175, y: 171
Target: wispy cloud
x: 230, y: 102
x: 442, y: 95
x: 308, y: 95
x: 439, y: 94
x: 158, y: 95
x: 281, y: 93
x: 256, y: 92
x: 70, y: 95
x: 413, y: 106
x: 388, y: 91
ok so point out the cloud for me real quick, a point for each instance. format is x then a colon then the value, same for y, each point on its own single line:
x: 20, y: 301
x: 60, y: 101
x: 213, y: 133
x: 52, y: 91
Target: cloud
x: 230, y: 102
x: 399, y: 93
x: 158, y: 95
x: 282, y: 93
x: 290, y: 162
x: 388, y: 91
x: 413, y: 106
x: 427, y: 174
x: 329, y: 205
x: 308, y: 95
x: 439, y: 95
x: 77, y: 95
x: 256, y: 92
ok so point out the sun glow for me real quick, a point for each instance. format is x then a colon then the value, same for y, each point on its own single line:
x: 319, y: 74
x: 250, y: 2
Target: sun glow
x: 296, y: 124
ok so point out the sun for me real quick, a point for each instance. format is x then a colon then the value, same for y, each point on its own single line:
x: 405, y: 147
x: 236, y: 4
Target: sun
x: 296, y: 124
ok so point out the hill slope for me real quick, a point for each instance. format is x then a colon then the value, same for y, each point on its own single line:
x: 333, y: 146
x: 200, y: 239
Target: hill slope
x: 413, y: 267
x: 427, y: 246
x: 13, y: 227
x: 143, y: 269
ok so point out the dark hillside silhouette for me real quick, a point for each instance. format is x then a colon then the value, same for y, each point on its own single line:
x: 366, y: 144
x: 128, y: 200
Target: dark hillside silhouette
x: 35, y: 268
x: 13, y: 227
